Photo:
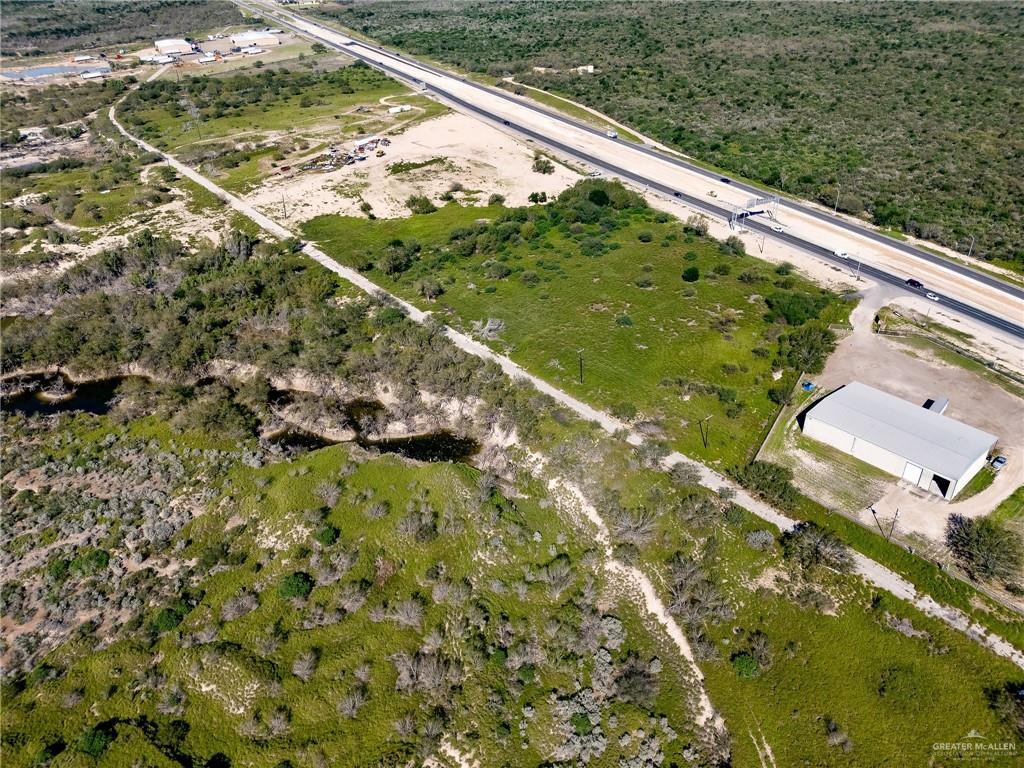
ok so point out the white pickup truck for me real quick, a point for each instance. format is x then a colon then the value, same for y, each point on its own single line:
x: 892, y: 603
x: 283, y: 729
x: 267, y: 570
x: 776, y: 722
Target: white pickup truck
x: 611, y: 134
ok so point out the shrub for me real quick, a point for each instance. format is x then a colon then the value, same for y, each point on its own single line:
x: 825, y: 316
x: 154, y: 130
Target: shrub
x: 761, y: 540
x: 94, y: 741
x: 169, y: 618
x: 810, y: 546
x: 745, y: 665
x: 645, y: 236
x: 732, y: 245
x: 542, y: 165
x: 770, y: 481
x: 696, y: 224
x: 780, y: 395
x: 298, y: 584
x: 794, y: 308
x: 496, y: 199
x: 420, y: 204
x: 327, y: 535
x: 429, y: 288
x: 984, y: 548
x: 807, y: 348
x: 691, y: 274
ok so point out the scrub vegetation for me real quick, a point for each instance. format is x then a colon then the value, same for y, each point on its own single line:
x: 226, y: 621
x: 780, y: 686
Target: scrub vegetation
x: 904, y: 111
x: 241, y: 127
x: 189, y: 579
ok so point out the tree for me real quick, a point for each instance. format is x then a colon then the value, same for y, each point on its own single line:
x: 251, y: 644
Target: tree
x: 812, y: 547
x: 984, y: 548
x: 691, y: 274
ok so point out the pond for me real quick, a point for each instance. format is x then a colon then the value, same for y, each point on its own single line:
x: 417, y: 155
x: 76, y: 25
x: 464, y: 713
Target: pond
x: 436, y: 446
x: 53, y: 69
x: 48, y: 394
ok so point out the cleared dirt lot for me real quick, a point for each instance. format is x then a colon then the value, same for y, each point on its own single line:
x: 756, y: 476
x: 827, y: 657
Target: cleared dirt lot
x: 914, y: 375
x: 482, y: 159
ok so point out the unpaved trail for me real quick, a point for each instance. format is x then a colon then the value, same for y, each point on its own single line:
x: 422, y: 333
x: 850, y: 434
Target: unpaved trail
x: 874, y: 573
x: 632, y: 580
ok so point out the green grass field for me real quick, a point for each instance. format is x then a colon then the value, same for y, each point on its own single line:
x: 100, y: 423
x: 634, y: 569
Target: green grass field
x: 654, y: 346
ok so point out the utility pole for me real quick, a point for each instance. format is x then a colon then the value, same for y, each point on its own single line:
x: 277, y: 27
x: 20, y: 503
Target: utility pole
x: 893, y: 526
x: 971, y: 249
x: 705, y: 429
x: 580, y: 353
x: 284, y: 206
x: 835, y: 211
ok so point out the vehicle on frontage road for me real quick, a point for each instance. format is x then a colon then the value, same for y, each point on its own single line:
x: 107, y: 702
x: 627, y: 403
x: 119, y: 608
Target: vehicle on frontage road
x: 915, y: 283
x: 931, y: 296
x: 841, y: 254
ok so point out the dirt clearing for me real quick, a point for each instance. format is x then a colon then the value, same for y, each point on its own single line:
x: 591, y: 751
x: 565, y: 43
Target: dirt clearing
x: 450, y: 149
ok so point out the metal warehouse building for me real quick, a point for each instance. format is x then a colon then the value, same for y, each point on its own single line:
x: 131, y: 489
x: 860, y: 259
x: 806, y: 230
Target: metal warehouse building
x: 255, y: 39
x: 915, y: 443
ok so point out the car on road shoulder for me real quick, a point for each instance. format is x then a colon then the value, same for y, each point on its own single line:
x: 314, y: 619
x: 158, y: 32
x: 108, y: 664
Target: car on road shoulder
x: 777, y: 228
x: 594, y: 174
x: 931, y: 296
x: 915, y: 283
x: 841, y: 254
x: 998, y: 463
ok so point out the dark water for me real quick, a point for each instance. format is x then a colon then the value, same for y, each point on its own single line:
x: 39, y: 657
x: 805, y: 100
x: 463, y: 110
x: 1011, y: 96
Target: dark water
x: 437, y: 446
x: 295, y: 439
x: 94, y: 397
x: 97, y: 397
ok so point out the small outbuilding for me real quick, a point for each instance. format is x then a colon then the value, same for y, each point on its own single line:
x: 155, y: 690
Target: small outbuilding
x: 917, y: 444
x: 173, y: 47
x: 255, y: 39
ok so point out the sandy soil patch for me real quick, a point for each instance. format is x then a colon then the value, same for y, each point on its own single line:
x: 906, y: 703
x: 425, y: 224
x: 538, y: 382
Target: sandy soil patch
x: 481, y: 158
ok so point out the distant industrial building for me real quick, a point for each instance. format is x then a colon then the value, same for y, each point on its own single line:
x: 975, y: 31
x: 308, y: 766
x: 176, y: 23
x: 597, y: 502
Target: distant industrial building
x: 915, y: 443
x: 255, y: 39
x: 173, y: 47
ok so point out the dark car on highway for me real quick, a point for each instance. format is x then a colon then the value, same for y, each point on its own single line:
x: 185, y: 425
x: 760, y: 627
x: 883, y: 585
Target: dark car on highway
x: 915, y: 283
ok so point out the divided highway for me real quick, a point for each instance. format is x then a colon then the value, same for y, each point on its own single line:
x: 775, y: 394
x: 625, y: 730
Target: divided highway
x: 1008, y: 298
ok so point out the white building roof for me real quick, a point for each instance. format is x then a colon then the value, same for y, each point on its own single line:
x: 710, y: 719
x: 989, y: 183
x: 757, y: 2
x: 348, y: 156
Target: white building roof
x: 173, y: 42
x: 938, y: 443
x: 251, y: 36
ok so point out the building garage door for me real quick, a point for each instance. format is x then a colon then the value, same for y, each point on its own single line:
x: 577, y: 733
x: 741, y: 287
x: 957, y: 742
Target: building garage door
x: 912, y: 473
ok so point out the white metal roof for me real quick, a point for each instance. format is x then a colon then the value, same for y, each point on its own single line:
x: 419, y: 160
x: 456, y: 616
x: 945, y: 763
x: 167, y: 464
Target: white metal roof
x: 251, y: 36
x: 938, y: 443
